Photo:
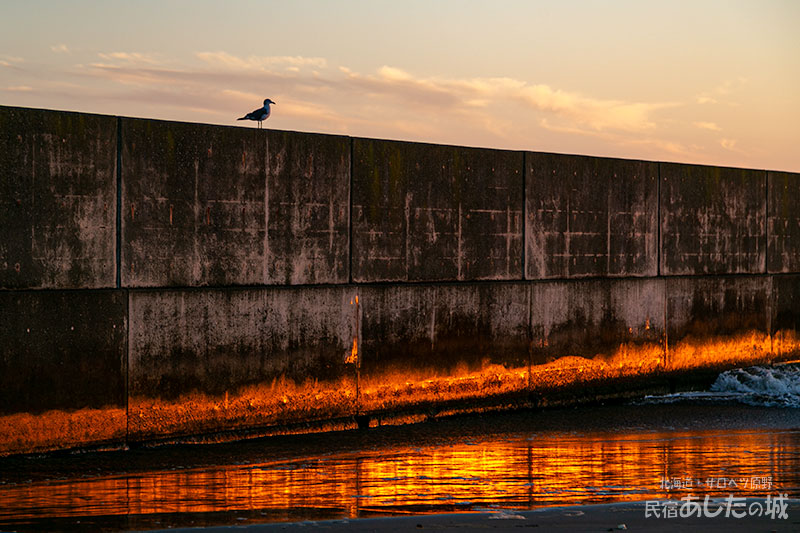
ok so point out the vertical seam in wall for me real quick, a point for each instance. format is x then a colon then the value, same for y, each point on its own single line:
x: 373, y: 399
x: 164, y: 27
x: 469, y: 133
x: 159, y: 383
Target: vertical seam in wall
x: 665, y: 347
x: 530, y: 338
x: 658, y: 221
x: 127, y: 366
x: 529, y: 286
x: 771, y: 313
x: 666, y: 326
x: 524, y: 214
x: 118, y: 243
x: 350, y: 217
x: 766, y: 223
x: 265, y: 245
x: 126, y: 355
x: 770, y: 278
x: 359, y: 340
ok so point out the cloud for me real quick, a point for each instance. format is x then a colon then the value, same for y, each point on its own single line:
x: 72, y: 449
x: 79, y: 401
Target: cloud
x: 132, y: 75
x: 546, y: 124
x: 396, y: 92
x: 387, y: 102
x: 710, y: 126
x: 241, y: 95
x: 674, y: 148
x: 292, y: 63
x: 399, y: 85
x: 575, y: 108
x: 597, y: 114
x: 9, y: 61
x: 18, y: 89
x: 728, y: 144
x: 720, y: 93
x: 131, y: 57
x: 60, y: 48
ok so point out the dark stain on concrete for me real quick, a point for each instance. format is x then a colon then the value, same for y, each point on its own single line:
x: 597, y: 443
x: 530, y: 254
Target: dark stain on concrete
x: 215, y: 206
x: 783, y: 222
x: 427, y: 212
x: 713, y: 220
x: 590, y: 216
x: 62, y: 350
x: 57, y: 199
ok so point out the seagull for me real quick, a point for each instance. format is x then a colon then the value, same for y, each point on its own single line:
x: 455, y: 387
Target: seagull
x: 260, y: 114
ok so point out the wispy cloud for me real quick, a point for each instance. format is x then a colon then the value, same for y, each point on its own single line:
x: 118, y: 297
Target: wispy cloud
x: 394, y: 83
x: 576, y: 109
x: 710, y: 126
x: 388, y: 86
x: 388, y: 102
x: 721, y: 93
x: 132, y: 58
x: 597, y: 114
x: 241, y: 95
x: 18, y: 89
x: 653, y: 144
x: 60, y: 48
x: 9, y: 61
x: 229, y: 61
x: 705, y: 99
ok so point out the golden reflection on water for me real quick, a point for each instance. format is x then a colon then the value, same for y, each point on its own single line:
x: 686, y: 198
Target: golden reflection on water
x: 509, y: 471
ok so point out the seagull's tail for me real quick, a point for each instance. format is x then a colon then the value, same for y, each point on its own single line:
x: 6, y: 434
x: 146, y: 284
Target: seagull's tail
x: 243, y: 118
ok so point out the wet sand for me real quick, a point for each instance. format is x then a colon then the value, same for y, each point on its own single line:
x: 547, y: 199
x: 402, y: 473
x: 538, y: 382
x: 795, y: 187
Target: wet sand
x: 602, y: 517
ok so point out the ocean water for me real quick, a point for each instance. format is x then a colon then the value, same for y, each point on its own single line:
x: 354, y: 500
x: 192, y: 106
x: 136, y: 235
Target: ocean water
x: 741, y: 437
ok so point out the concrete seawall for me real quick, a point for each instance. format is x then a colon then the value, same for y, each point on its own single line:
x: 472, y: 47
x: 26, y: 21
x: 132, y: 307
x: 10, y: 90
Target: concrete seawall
x: 160, y: 280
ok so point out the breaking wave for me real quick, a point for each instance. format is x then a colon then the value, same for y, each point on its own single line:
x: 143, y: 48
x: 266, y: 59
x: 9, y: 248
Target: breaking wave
x: 764, y: 386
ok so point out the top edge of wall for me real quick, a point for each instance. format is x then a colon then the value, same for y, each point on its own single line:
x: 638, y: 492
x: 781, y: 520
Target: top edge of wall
x: 409, y: 141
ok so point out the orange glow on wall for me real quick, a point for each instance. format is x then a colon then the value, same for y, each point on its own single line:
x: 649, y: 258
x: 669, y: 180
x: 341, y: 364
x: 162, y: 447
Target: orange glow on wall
x: 393, y: 396
x: 400, y: 392
x: 278, y: 403
x: 747, y: 348
x: 24, y: 432
x: 353, y: 357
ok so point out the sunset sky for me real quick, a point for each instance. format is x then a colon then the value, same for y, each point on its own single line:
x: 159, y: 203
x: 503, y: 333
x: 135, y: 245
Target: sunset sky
x: 715, y: 82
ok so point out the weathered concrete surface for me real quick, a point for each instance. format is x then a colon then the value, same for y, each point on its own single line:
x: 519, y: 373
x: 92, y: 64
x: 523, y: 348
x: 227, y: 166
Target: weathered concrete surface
x: 208, y: 360
x: 591, y: 318
x: 594, y: 334
x: 427, y: 347
x: 427, y: 212
x: 783, y: 222
x: 218, y: 206
x: 590, y: 216
x: 785, y: 318
x: 713, y: 220
x: 57, y: 199
x: 62, y: 368
x: 430, y: 348
x: 718, y: 322
x: 212, y: 205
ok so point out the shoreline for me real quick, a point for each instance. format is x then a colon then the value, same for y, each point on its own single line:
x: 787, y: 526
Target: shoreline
x: 543, y: 464
x: 624, y: 516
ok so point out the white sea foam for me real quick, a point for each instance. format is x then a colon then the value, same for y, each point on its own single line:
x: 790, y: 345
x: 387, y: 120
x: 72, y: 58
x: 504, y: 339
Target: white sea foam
x: 767, y: 386
x: 773, y: 386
